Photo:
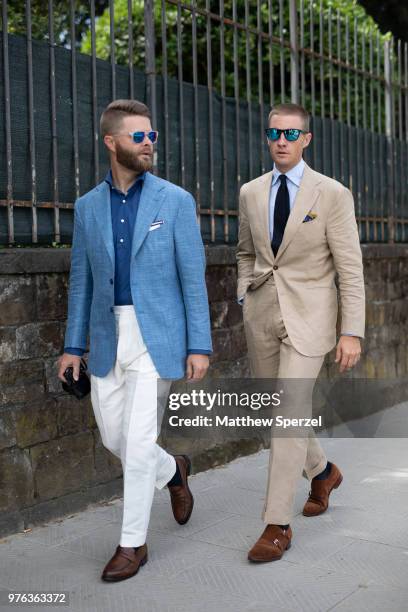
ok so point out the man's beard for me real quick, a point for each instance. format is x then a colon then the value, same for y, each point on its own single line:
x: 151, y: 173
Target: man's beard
x: 130, y: 160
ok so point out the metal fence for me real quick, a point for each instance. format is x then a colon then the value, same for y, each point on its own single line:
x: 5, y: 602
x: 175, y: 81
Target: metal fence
x: 210, y: 72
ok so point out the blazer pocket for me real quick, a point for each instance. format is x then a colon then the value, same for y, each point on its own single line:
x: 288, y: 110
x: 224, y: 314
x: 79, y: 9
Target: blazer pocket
x: 312, y: 231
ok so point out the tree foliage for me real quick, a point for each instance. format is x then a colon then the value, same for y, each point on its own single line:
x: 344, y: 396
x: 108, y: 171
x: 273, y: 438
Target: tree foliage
x: 327, y: 14
x: 361, y: 29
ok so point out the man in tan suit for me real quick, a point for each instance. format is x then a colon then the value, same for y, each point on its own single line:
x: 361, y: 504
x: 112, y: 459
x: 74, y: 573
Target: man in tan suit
x: 297, y: 229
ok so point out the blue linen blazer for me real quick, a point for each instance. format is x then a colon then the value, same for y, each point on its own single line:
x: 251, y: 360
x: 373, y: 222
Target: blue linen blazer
x: 167, y: 277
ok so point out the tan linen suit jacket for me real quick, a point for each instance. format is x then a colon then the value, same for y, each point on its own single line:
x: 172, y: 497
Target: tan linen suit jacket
x: 308, y: 258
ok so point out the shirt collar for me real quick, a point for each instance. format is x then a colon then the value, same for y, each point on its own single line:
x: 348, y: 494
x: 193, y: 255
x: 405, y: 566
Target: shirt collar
x: 109, y: 180
x: 294, y: 174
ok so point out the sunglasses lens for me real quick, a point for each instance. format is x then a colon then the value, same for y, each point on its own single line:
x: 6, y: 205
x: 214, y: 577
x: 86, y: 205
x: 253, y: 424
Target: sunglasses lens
x: 272, y: 133
x: 292, y: 135
x: 153, y: 136
x: 138, y: 137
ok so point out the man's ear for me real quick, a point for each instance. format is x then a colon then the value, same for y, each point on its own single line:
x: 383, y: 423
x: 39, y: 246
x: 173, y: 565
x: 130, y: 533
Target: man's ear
x: 309, y: 141
x: 109, y: 143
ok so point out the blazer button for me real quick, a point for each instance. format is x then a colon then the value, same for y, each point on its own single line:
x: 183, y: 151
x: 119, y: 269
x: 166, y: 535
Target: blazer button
x: 275, y: 267
x: 111, y: 309
x: 111, y: 281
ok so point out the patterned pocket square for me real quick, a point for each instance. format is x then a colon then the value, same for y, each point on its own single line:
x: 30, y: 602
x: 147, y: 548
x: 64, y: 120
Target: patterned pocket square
x: 309, y: 217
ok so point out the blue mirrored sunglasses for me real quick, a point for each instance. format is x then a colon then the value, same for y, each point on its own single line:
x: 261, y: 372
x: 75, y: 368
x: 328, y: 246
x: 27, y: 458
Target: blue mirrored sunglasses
x: 138, y: 137
x: 291, y: 134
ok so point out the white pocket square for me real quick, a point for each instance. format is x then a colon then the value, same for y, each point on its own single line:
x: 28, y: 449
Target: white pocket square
x: 155, y: 225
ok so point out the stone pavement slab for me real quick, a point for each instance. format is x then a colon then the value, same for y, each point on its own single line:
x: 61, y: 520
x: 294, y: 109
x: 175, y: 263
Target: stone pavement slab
x: 352, y: 558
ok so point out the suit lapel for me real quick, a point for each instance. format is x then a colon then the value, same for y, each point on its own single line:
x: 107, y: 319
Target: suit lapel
x: 305, y: 199
x: 262, y: 203
x: 102, y: 214
x: 150, y: 202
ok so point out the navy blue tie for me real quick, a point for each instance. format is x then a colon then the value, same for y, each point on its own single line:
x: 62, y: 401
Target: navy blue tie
x: 281, y: 214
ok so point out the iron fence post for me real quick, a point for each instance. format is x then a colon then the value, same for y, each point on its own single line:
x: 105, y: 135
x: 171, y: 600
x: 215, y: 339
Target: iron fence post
x: 150, y: 59
x: 294, y: 53
x: 390, y: 167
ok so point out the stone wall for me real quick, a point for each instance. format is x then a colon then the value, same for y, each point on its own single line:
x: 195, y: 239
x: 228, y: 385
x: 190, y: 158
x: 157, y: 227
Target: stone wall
x: 51, y: 458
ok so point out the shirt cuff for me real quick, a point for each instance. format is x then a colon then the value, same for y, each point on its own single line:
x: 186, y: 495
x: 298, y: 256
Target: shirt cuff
x: 198, y: 352
x: 74, y: 351
x: 348, y: 334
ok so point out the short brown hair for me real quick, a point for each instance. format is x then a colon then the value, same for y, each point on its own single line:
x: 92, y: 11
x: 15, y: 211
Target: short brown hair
x: 291, y: 109
x: 115, y: 112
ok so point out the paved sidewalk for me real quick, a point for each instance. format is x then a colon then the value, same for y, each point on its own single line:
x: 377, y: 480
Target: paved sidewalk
x: 352, y: 558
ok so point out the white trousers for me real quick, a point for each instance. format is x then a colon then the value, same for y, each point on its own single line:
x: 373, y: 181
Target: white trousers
x: 125, y: 406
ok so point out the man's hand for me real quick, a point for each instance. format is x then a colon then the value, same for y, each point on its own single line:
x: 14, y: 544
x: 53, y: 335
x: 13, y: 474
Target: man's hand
x: 348, y: 352
x: 65, y: 361
x: 196, y: 367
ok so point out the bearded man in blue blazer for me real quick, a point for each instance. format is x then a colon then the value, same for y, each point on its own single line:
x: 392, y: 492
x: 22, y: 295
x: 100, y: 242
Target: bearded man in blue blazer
x: 137, y: 286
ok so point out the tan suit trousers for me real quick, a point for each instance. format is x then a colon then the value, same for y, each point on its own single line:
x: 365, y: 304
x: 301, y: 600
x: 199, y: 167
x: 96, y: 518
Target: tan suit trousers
x: 272, y: 355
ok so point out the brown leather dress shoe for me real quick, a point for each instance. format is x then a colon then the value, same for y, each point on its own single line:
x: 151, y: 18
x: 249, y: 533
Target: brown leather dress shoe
x: 182, y: 500
x: 318, y: 500
x: 271, y: 545
x: 125, y: 563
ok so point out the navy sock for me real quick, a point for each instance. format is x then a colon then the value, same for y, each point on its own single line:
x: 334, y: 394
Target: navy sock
x: 176, y: 480
x: 323, y: 475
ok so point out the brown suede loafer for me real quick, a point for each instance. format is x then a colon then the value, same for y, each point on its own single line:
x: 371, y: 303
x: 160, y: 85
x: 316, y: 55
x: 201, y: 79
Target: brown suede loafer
x: 182, y: 500
x: 125, y: 563
x: 271, y: 545
x: 318, y: 500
